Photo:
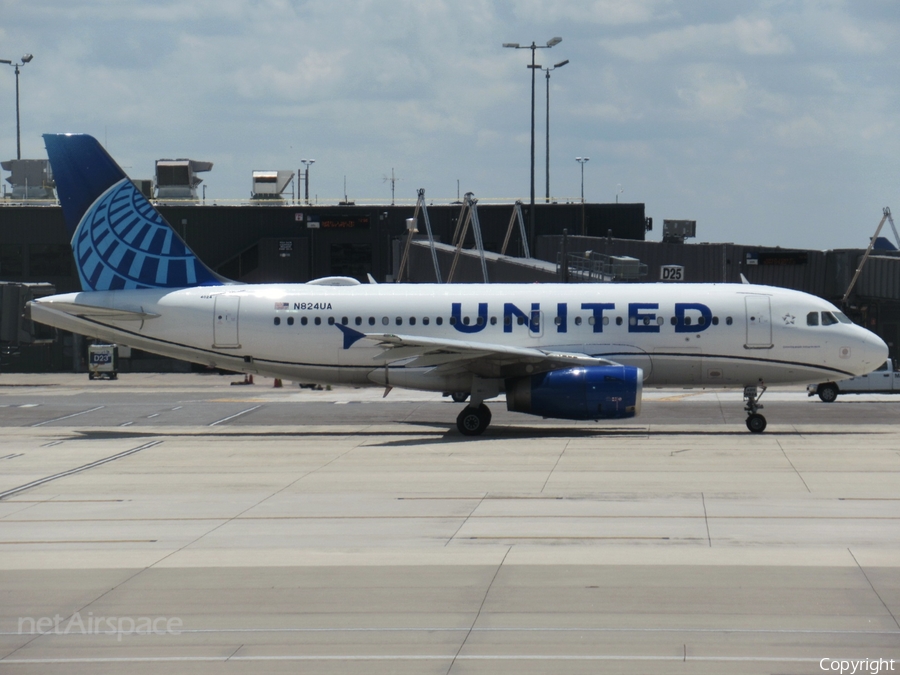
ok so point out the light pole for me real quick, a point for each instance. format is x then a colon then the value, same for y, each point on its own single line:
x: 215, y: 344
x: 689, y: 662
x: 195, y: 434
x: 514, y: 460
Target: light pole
x: 307, y: 163
x: 25, y: 59
x: 515, y: 45
x: 582, y: 161
x: 547, y: 70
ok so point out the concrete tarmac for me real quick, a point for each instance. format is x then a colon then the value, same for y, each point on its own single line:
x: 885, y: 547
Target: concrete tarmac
x: 178, y: 523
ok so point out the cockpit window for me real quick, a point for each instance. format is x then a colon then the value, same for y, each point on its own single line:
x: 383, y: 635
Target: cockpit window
x: 812, y: 319
x: 828, y: 319
x: 842, y: 318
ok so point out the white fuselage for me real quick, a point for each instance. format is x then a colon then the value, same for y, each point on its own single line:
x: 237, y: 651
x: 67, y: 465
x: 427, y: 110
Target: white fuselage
x: 678, y: 334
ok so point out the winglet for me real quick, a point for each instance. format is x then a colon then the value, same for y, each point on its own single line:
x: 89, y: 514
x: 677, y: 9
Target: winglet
x: 119, y: 239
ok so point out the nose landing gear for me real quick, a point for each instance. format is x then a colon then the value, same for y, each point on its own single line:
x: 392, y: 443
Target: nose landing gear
x: 756, y: 423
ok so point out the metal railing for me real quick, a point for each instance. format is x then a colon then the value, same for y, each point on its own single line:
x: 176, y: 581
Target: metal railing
x: 591, y: 266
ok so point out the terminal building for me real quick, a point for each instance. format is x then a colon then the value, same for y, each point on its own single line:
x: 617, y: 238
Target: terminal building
x: 274, y: 238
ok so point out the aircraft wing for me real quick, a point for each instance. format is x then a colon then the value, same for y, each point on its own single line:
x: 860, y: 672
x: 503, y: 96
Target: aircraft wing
x: 484, y: 359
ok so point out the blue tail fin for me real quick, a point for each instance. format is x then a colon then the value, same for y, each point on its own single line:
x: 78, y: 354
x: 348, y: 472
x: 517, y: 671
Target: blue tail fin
x: 119, y: 239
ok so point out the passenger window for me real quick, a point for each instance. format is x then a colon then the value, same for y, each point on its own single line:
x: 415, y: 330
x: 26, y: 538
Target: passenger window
x: 558, y: 320
x: 592, y: 320
x: 277, y: 321
x: 466, y: 320
x: 371, y: 320
x: 618, y: 320
x: 330, y: 320
x: 290, y: 321
x: 812, y: 319
x: 577, y: 320
x: 673, y: 321
x: 318, y: 320
x: 493, y: 320
x: 660, y: 321
x: 304, y: 320
x: 715, y: 321
x: 728, y: 320
x: 521, y: 321
x: 828, y: 319
x: 632, y: 321
x: 439, y: 321
x: 344, y: 320
x: 687, y: 321
x: 480, y: 321
x: 507, y: 321
x: 605, y: 320
x: 425, y: 321
x: 452, y: 320
x: 412, y: 321
x: 399, y: 321
x: 701, y: 321
x: 358, y: 321
x: 385, y: 321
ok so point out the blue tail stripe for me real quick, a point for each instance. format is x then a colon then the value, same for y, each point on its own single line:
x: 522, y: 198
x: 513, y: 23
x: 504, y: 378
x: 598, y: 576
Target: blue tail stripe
x: 148, y: 269
x: 119, y: 239
x: 156, y: 242
x: 162, y: 270
x: 137, y: 264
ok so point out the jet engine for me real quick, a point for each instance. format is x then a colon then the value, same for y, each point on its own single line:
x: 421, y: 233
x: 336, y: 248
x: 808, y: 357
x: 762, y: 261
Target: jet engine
x: 590, y: 393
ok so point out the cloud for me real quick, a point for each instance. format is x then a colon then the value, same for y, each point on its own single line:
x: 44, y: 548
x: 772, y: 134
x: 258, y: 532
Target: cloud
x: 602, y: 12
x: 743, y: 35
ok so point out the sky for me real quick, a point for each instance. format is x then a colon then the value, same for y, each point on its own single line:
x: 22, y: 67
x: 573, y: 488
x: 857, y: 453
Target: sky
x: 768, y: 122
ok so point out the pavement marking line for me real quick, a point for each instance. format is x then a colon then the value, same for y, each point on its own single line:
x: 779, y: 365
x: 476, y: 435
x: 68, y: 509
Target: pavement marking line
x: 82, y: 541
x: 65, y: 417
x: 421, y: 657
x: 63, y: 474
x: 511, y: 629
x: 231, y: 417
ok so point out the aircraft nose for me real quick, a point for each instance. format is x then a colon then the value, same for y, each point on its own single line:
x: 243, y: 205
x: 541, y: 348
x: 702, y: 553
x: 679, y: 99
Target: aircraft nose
x: 872, y: 352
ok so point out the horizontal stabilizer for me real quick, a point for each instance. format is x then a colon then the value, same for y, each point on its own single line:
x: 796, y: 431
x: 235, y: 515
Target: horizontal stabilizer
x: 106, y: 313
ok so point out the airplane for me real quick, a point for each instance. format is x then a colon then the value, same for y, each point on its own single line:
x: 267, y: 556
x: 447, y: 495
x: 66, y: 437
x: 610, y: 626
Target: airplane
x: 564, y: 351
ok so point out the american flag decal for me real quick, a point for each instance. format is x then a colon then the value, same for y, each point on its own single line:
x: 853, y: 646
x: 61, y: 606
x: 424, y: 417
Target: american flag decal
x: 281, y: 305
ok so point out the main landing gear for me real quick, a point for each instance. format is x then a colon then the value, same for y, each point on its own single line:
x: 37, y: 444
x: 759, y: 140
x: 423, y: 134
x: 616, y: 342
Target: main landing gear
x: 473, y: 420
x: 755, y: 422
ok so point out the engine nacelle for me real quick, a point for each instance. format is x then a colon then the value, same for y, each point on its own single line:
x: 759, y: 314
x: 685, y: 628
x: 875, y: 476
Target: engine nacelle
x: 591, y: 393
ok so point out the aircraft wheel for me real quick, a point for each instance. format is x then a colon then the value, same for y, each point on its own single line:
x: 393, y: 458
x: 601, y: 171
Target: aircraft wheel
x: 459, y: 396
x: 828, y: 392
x: 756, y: 423
x: 473, y: 421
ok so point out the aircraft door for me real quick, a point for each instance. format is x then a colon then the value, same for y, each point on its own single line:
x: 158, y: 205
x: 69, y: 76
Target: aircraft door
x: 536, y: 324
x: 225, y: 321
x: 759, y: 322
